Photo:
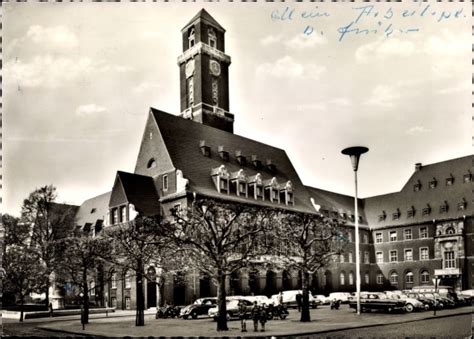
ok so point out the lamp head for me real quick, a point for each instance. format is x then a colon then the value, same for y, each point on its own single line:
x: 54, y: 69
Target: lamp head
x: 355, y: 153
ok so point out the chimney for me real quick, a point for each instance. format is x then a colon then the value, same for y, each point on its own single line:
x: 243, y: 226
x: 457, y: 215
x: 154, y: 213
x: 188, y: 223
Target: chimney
x: 418, y: 166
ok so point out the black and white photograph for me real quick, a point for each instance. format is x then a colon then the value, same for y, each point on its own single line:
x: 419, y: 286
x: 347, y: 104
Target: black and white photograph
x: 234, y: 169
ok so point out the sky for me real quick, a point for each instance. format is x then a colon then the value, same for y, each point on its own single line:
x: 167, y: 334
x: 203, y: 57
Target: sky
x: 310, y: 78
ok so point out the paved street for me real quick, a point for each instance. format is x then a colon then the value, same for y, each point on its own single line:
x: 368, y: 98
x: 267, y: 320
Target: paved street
x: 325, y: 321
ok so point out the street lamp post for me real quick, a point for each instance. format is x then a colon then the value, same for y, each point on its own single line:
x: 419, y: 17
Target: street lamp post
x: 355, y: 153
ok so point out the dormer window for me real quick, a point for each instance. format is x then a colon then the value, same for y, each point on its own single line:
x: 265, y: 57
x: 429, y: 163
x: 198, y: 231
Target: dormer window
x: 205, y: 150
x: 271, y: 189
x: 223, y: 153
x: 257, y: 163
x: 467, y: 177
x: 343, y: 215
x: 396, y: 215
x: 417, y: 186
x: 450, y: 230
x: 462, y: 205
x: 151, y: 163
x: 220, y: 176
x: 270, y: 166
x: 352, y: 217
x: 427, y: 210
x: 360, y: 218
x: 449, y: 180
x: 433, y: 183
x: 241, y: 159
x: 382, y: 216
x: 191, y: 37
x: 165, y: 182
x: 286, y: 194
x: 444, y: 207
x: 93, y: 210
x: 411, y: 212
x: 212, y: 37
x: 255, y: 186
x: 239, y: 183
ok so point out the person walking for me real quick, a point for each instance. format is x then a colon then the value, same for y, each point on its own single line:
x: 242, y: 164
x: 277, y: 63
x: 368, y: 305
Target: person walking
x: 242, y: 316
x: 299, y: 301
x: 280, y: 298
x: 255, y: 316
x: 263, y: 317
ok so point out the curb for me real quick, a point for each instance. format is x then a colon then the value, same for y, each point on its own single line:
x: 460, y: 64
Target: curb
x: 296, y: 334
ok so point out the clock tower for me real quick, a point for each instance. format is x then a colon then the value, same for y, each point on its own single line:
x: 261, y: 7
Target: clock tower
x: 204, y: 73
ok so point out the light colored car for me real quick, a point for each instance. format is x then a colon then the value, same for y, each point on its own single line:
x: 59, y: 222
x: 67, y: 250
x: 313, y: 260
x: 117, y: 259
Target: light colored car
x: 323, y: 299
x: 411, y: 303
x: 289, y: 298
x: 260, y: 299
x: 342, y: 297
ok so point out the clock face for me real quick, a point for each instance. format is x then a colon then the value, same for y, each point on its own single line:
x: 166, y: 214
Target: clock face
x: 189, y: 68
x: 215, y: 68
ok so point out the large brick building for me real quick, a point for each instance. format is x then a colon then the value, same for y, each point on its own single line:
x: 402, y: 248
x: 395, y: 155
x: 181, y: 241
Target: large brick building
x: 407, y: 237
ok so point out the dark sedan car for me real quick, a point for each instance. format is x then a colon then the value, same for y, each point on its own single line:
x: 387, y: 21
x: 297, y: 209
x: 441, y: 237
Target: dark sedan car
x: 199, y: 307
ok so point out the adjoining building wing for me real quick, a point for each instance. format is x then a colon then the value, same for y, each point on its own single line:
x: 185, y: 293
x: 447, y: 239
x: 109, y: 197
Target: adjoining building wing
x: 93, y: 212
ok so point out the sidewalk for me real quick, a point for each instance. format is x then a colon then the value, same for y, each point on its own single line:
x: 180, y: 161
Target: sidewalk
x: 323, y: 320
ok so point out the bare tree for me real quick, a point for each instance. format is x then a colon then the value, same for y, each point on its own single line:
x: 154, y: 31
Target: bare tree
x: 81, y: 256
x: 219, y: 239
x: 307, y: 243
x: 137, y: 244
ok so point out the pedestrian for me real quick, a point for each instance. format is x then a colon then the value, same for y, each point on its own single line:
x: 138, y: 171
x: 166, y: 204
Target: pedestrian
x: 299, y: 301
x: 255, y: 316
x: 242, y: 316
x: 280, y: 298
x: 50, y: 307
x: 263, y: 317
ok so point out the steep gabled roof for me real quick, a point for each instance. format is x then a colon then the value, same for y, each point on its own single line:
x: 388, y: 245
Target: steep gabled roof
x: 425, y: 196
x: 336, y: 202
x: 182, y: 139
x: 62, y: 219
x: 204, y: 16
x: 140, y: 191
x: 93, y: 209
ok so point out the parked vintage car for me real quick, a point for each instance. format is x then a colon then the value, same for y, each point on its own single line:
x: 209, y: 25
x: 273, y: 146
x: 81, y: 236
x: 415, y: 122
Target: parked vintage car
x: 232, y: 309
x: 289, y: 299
x: 323, y: 299
x: 260, y: 299
x: 429, y: 303
x: 378, y: 302
x: 342, y: 297
x: 199, y: 307
x: 443, y: 301
x: 412, y: 304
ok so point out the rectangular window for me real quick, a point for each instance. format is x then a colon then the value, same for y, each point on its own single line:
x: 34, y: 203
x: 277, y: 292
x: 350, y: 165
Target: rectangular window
x: 165, y: 182
x: 341, y: 258
x: 113, y: 301
x: 123, y: 213
x: 366, y: 278
x: 408, y: 254
x: 128, y: 280
x: 366, y: 258
x: 449, y: 259
x: 350, y: 257
x: 393, y: 235
x: 349, y: 236
x: 127, y: 303
x: 92, y: 288
x: 379, y: 256
x: 115, y: 216
x: 424, y: 253
x: 423, y: 232
x: 407, y: 233
x: 379, y: 279
x: 113, y: 280
x: 378, y: 237
x: 365, y: 238
x: 351, y: 279
x: 242, y: 188
x: 393, y: 256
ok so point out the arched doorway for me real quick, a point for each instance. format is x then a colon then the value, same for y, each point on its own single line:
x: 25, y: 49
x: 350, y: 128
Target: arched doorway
x: 151, y: 287
x: 179, y: 290
x: 253, y: 282
x: 204, y: 286
x: 286, y: 280
x: 270, y: 285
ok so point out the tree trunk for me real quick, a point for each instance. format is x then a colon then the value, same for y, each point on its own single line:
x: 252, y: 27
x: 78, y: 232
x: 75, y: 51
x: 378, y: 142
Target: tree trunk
x: 305, y: 315
x: 85, y: 298
x: 21, y: 308
x: 221, y: 302
x: 140, y: 314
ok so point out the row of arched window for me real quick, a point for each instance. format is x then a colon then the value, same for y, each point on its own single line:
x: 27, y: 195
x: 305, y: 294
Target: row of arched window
x: 393, y: 278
